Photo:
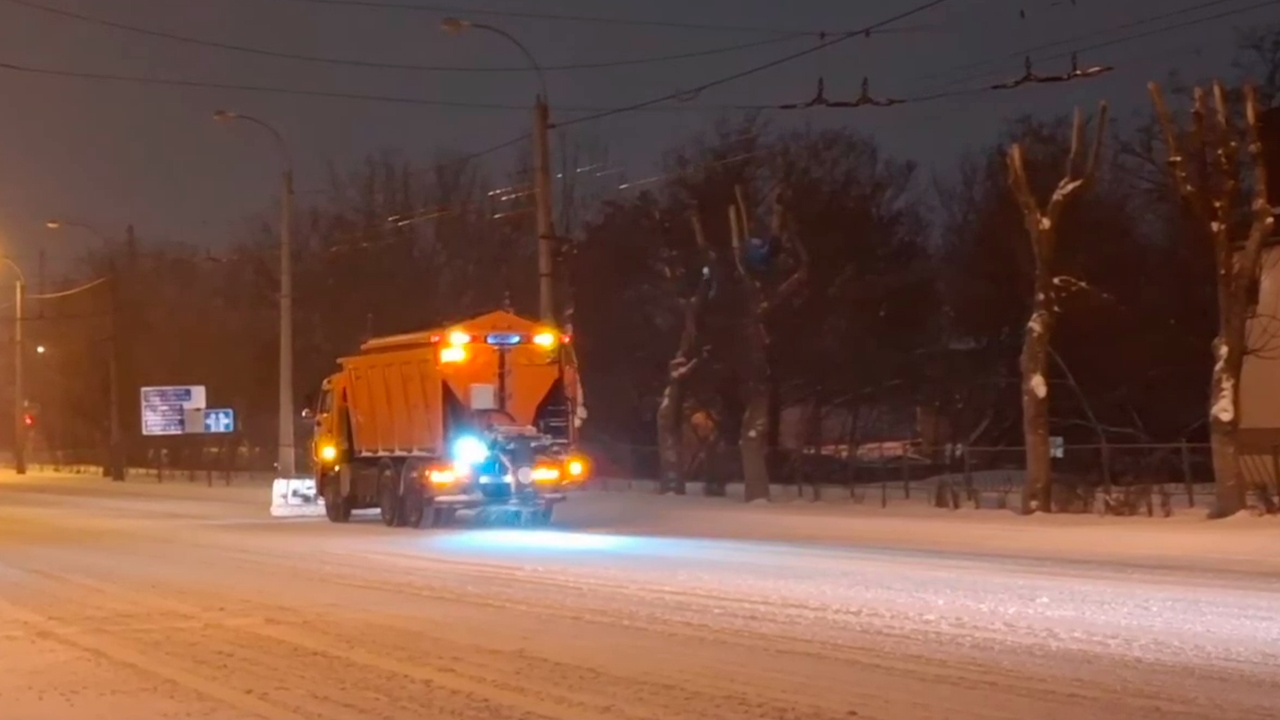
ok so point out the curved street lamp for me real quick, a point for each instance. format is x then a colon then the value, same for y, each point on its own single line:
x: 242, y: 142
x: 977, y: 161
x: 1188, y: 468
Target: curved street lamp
x: 115, y: 466
x: 286, y: 459
x: 541, y: 164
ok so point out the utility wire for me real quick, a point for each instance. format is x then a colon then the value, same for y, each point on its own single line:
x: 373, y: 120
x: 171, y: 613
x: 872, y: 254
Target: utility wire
x: 332, y: 95
x: 326, y: 60
x: 595, y: 113
x: 64, y: 293
x: 1019, y: 54
x: 561, y: 17
x: 1194, y: 22
x: 754, y: 70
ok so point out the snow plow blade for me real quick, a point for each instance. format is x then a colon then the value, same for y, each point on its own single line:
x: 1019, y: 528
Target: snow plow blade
x: 295, y: 497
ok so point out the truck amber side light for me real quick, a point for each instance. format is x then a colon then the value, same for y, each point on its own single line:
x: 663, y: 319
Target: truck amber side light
x: 459, y: 337
x: 328, y: 453
x: 545, y: 339
x: 441, y: 476
x: 576, y: 467
x: 453, y: 354
x: 546, y: 473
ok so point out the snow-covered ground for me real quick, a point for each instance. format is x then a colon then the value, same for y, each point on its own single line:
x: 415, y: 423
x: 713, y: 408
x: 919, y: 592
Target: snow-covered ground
x: 168, y: 601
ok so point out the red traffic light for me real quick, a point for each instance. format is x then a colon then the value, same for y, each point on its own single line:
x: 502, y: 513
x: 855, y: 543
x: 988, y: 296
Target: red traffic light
x: 28, y: 419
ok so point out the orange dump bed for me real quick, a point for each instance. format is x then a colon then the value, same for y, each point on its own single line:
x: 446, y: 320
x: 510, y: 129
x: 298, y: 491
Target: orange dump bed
x: 398, y: 386
x: 395, y: 401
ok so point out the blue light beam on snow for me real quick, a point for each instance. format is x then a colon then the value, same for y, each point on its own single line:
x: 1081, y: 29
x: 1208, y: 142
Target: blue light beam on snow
x: 541, y: 540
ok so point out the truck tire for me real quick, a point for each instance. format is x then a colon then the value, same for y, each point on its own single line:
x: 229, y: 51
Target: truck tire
x: 389, y: 494
x: 336, y: 507
x: 413, y: 506
x: 412, y: 497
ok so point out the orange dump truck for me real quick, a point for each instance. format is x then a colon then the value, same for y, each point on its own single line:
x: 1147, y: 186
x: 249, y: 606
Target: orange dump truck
x: 481, y: 416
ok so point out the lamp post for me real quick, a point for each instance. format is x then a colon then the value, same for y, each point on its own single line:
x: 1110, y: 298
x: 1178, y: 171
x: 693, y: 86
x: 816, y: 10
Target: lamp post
x: 541, y: 164
x: 286, y: 459
x: 19, y: 399
x: 115, y: 466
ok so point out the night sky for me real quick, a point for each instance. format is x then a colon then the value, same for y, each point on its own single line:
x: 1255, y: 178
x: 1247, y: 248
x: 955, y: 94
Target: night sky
x: 109, y: 153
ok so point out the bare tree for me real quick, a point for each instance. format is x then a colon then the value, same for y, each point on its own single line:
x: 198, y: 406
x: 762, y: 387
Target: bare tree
x: 760, y: 299
x: 1209, y: 183
x: 689, y: 353
x: 1042, y: 227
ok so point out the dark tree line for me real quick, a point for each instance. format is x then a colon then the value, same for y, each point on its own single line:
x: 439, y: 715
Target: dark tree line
x: 779, y: 281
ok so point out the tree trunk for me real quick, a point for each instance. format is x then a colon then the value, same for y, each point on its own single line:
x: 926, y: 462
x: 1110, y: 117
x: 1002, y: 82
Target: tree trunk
x: 671, y: 438
x: 1037, y: 486
x: 753, y: 445
x: 1224, y: 419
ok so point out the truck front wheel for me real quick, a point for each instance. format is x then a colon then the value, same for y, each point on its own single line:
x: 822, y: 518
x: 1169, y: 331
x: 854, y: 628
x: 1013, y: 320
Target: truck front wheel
x: 336, y: 507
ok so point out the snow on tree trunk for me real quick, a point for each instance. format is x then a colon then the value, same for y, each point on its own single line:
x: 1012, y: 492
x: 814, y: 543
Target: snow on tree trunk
x: 670, y: 438
x: 1224, y: 421
x: 1042, y: 227
x: 753, y: 445
x: 1035, y: 409
x: 1210, y: 185
x: 670, y: 415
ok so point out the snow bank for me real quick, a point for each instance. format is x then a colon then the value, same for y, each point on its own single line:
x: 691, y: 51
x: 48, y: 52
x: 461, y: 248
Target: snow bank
x: 1187, y: 540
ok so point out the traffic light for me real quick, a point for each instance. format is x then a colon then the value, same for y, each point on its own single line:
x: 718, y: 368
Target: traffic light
x: 29, y: 420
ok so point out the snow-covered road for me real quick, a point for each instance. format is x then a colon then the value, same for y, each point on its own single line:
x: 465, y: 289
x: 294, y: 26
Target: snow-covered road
x: 188, y: 602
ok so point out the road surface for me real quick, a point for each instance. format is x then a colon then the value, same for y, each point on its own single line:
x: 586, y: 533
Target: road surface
x: 122, y: 601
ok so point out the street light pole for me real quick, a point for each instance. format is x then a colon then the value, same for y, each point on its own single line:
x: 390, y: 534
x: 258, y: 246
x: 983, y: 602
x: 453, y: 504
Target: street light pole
x: 286, y: 459
x: 115, y: 465
x: 19, y: 395
x: 19, y: 399
x: 287, y: 455
x: 546, y: 228
x: 541, y: 169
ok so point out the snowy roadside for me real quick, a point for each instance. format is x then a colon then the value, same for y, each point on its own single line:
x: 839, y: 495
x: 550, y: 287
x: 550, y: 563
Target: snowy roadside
x: 1185, y: 541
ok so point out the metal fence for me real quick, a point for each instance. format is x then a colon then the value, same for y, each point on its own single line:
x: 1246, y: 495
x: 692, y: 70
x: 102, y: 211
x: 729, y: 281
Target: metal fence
x: 1080, y: 473
x: 890, y: 462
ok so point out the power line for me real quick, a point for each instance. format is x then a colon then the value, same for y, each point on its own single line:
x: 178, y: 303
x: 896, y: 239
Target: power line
x: 1019, y: 54
x: 64, y: 293
x: 177, y: 82
x: 332, y: 95
x: 560, y: 17
x: 326, y: 60
x: 1194, y: 22
x: 757, y: 69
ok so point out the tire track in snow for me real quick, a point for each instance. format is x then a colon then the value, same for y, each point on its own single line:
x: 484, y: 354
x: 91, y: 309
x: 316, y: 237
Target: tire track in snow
x: 961, y: 676
x: 82, y: 639
x: 492, y: 686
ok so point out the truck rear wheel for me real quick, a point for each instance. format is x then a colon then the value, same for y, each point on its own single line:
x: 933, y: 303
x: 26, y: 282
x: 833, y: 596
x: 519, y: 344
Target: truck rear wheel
x: 389, y: 494
x: 336, y: 507
x: 413, y: 506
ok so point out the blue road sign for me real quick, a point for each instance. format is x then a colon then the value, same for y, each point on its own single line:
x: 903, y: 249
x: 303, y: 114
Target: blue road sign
x: 221, y: 420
